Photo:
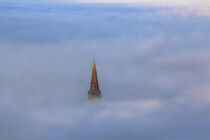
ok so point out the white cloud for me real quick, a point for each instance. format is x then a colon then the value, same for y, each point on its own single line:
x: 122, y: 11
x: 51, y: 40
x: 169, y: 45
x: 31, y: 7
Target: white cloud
x: 152, y: 70
x: 186, y: 11
x: 165, y: 2
x: 159, y: 2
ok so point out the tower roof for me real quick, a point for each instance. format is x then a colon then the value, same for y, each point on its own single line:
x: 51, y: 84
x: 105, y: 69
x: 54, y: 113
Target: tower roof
x: 94, y: 91
x: 94, y: 78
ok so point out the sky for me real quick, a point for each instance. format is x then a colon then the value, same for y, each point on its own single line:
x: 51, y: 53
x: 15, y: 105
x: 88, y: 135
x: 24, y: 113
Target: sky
x: 159, y: 2
x: 152, y: 62
x: 167, y: 2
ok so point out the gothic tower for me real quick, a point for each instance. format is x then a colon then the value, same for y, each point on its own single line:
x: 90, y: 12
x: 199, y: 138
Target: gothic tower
x: 94, y: 91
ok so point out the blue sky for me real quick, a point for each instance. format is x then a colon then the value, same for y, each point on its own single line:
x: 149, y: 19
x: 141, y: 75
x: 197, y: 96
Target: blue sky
x: 162, y: 2
x: 170, y: 2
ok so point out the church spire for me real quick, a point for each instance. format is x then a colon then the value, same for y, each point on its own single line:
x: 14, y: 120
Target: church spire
x: 94, y: 91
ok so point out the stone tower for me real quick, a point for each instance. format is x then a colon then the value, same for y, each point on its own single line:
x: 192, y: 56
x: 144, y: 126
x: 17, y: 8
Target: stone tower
x: 94, y: 91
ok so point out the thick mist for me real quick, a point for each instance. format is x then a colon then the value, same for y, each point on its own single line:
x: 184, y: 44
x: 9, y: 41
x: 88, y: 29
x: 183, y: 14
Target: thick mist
x: 152, y: 62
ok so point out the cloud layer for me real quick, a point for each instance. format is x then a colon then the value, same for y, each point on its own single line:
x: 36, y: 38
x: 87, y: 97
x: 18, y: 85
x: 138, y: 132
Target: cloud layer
x: 153, y: 67
x: 140, y: 2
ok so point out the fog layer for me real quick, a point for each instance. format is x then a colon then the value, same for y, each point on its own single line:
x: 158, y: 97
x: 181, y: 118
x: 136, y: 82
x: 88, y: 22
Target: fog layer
x: 152, y: 62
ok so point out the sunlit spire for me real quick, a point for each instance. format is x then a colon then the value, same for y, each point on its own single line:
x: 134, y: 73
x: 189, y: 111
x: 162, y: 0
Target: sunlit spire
x: 94, y: 91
